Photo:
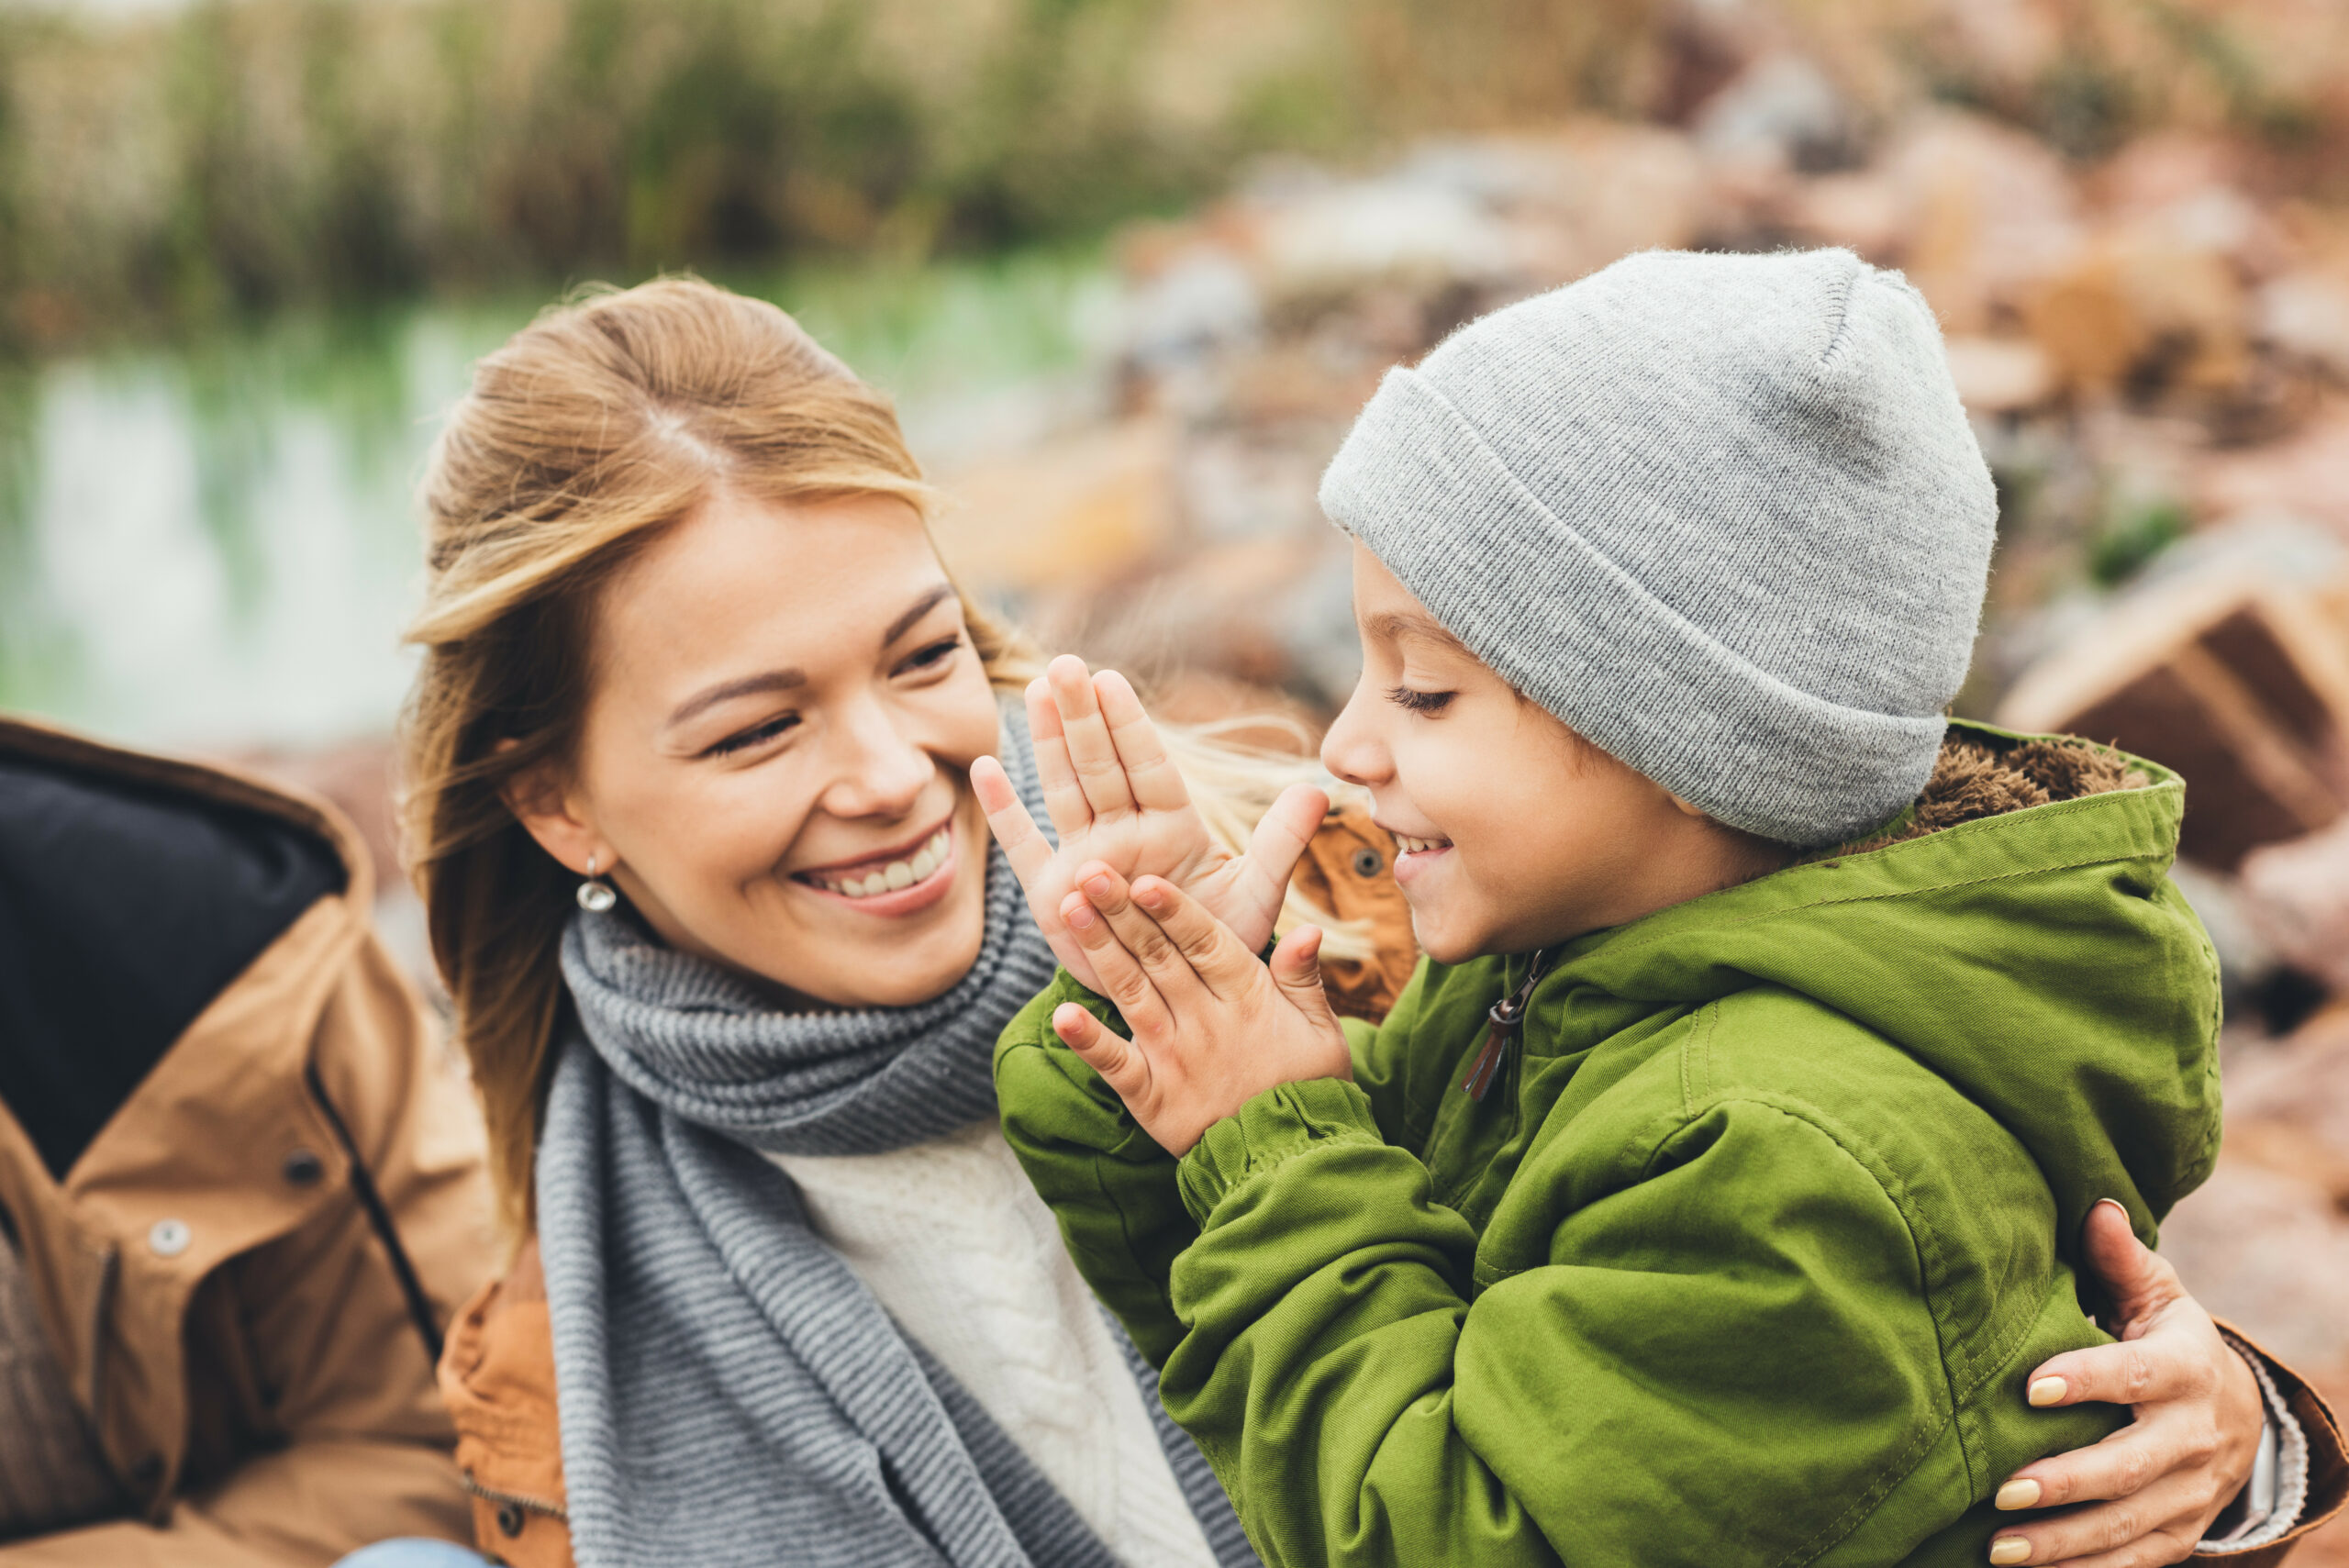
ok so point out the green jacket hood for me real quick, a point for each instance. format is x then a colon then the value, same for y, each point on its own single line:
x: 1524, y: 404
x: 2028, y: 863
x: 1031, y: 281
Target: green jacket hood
x: 2039, y: 959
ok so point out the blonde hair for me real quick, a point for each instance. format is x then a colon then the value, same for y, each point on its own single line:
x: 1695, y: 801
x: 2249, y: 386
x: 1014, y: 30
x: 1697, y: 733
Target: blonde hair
x: 590, y: 430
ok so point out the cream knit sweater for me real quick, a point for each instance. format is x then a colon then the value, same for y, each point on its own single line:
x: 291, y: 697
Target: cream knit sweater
x: 956, y: 1245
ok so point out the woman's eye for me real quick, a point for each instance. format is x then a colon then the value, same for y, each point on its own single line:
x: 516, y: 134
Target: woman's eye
x: 929, y: 657
x: 753, y: 736
x: 1410, y: 701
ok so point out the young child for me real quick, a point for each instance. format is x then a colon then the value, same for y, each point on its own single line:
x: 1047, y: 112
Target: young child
x: 1709, y: 1196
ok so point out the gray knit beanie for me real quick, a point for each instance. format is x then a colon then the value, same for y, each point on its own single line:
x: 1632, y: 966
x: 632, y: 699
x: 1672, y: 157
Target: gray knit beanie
x: 1722, y: 515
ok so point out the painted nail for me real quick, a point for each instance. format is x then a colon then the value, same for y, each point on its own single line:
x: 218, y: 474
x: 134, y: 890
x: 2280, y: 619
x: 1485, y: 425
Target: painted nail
x: 2046, y: 1391
x: 2010, y: 1549
x: 2020, y: 1494
x: 1080, y: 918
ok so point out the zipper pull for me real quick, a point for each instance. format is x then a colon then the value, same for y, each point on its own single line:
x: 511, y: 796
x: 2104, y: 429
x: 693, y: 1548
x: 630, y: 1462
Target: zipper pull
x: 1506, y: 1016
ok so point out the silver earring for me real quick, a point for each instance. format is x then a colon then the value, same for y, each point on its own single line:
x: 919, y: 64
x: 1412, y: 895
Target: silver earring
x: 594, y: 896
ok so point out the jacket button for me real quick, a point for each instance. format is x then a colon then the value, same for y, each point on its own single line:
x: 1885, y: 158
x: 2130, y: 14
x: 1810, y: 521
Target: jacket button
x: 1369, y: 862
x: 509, y: 1517
x: 169, y: 1238
x: 303, y: 1168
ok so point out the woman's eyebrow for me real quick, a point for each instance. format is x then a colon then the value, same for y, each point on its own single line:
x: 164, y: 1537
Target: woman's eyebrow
x: 710, y: 696
x: 785, y: 679
x: 920, y: 607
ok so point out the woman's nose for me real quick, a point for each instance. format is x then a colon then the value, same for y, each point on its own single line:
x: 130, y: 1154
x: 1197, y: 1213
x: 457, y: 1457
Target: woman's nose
x: 881, y: 769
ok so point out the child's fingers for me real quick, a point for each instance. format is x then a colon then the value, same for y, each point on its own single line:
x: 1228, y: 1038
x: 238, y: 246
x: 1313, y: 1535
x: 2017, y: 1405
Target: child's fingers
x: 1207, y: 948
x: 1122, y: 979
x: 1121, y: 1067
x: 1280, y: 837
x: 1161, y: 958
x: 1064, y: 799
x: 1023, y: 844
x: 1090, y: 751
x: 1297, y: 969
x: 1156, y: 783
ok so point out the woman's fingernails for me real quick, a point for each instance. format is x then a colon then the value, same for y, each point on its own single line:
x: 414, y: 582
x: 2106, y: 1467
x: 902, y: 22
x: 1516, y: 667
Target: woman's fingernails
x: 2018, y: 1493
x: 2010, y: 1549
x: 1081, y: 917
x: 2047, y: 1391
x: 1150, y: 896
x: 1096, y: 887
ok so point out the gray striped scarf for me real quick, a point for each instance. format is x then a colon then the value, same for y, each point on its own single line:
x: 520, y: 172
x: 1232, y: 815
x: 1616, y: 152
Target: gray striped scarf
x: 730, y: 1394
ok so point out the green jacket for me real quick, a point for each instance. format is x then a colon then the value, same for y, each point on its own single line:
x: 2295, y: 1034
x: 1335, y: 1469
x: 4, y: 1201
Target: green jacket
x: 1745, y: 1258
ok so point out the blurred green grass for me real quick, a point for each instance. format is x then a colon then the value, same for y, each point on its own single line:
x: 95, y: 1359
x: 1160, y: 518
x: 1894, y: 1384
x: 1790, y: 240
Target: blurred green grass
x: 232, y: 158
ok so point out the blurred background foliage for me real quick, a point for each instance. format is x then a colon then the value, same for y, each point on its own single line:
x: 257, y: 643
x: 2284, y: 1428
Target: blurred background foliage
x: 181, y: 166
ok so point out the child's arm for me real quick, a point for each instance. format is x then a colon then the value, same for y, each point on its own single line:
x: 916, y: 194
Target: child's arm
x: 1728, y: 1357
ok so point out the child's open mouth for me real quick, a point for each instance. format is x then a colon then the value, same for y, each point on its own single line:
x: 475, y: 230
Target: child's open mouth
x: 1415, y: 857
x: 896, y: 882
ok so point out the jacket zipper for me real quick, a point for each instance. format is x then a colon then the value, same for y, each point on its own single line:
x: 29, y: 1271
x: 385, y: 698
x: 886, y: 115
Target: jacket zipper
x: 1508, y: 1016
x: 517, y: 1499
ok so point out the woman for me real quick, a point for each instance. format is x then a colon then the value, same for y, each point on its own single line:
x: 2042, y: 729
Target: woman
x: 691, y: 657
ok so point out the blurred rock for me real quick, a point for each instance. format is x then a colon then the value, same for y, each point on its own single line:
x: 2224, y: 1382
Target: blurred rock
x: 2304, y: 476
x: 1087, y: 506
x: 1991, y: 213
x: 2238, y: 684
x: 1783, y: 109
x: 2306, y: 313
x: 2297, y: 893
x: 2268, y: 1251
x: 2000, y: 375
x: 2136, y: 310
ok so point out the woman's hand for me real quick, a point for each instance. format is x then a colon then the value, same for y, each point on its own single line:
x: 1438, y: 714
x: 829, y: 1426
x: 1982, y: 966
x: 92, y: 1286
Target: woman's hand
x: 1212, y: 1027
x: 2155, y: 1485
x: 1114, y: 796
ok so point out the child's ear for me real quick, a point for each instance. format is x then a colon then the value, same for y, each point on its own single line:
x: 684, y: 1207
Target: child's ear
x: 1687, y: 809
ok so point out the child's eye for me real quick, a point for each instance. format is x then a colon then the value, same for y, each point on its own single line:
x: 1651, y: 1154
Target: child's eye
x: 1410, y: 701
x: 932, y: 657
x: 754, y: 736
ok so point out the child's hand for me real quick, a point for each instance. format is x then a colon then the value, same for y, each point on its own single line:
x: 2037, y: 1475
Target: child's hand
x: 1115, y: 796
x: 1212, y: 1027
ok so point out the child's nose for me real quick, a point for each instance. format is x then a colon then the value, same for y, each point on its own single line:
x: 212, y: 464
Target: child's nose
x: 1351, y: 750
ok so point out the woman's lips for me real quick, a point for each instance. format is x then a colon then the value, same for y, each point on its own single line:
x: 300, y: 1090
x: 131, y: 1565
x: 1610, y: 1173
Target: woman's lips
x: 924, y: 877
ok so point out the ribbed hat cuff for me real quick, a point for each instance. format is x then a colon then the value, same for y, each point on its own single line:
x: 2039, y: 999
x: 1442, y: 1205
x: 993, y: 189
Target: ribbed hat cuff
x: 1558, y: 620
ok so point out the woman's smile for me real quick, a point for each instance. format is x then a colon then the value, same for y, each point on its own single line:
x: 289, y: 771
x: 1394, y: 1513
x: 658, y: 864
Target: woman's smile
x: 903, y: 880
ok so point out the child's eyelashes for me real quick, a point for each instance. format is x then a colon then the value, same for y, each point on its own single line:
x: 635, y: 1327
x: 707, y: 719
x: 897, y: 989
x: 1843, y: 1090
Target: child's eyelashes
x: 1410, y: 701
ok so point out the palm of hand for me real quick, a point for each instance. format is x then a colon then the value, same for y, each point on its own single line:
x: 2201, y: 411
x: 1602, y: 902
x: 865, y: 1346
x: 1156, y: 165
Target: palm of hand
x: 1115, y: 796
x: 1172, y: 844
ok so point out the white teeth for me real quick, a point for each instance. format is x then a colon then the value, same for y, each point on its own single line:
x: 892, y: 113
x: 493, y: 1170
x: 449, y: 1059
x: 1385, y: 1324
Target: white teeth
x: 1416, y: 846
x: 896, y: 874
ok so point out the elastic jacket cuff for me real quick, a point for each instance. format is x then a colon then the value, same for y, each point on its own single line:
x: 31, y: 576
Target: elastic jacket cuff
x: 1286, y: 1120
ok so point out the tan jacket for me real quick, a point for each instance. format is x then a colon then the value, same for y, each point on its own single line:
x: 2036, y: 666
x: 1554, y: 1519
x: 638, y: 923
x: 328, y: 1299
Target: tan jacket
x: 231, y: 1318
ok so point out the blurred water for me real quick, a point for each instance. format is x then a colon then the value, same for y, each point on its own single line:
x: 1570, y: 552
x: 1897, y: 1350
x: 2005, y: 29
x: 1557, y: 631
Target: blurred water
x: 217, y: 546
